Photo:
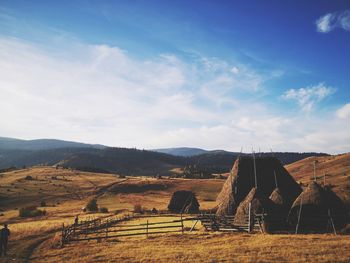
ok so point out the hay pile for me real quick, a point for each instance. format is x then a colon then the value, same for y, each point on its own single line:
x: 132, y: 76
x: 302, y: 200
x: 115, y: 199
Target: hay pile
x: 183, y: 202
x: 259, y: 204
x: 242, y: 180
x: 316, y: 202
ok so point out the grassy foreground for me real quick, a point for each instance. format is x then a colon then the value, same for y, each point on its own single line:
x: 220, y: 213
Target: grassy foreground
x: 204, y: 247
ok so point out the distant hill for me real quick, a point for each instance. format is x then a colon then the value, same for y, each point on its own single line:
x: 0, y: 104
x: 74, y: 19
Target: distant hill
x: 19, y: 153
x: 42, y: 144
x: 125, y: 161
x: 181, y: 151
x: 188, y: 151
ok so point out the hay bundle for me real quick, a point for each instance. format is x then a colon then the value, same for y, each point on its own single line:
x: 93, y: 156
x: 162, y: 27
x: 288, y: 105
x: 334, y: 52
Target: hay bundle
x: 242, y: 180
x: 277, y: 197
x: 337, y: 208
x: 259, y: 204
x: 277, y: 218
x: 316, y: 204
x: 183, y: 202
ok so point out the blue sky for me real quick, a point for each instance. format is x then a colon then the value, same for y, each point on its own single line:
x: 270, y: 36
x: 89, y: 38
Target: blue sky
x: 151, y: 74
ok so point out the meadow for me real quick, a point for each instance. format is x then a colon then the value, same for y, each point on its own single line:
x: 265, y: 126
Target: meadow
x: 65, y: 192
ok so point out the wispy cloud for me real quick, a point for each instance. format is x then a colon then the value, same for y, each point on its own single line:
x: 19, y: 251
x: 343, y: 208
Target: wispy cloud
x: 331, y: 21
x: 308, y: 97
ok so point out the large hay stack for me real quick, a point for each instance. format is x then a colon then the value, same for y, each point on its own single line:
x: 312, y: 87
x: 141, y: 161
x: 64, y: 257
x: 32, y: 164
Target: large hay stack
x: 242, y: 180
x: 183, y: 202
x: 313, y: 207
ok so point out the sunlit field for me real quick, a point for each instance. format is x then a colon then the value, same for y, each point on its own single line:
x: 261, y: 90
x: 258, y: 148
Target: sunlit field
x: 66, y: 192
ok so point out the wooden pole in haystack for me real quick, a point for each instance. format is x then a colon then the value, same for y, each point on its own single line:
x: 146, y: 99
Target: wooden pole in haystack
x: 299, y: 216
x: 274, y: 172
x: 331, y: 220
x: 256, y: 181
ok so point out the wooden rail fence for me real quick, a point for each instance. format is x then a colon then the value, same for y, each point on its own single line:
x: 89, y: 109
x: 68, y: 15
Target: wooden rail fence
x: 116, y: 227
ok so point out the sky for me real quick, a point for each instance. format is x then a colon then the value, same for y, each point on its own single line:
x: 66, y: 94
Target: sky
x: 156, y: 74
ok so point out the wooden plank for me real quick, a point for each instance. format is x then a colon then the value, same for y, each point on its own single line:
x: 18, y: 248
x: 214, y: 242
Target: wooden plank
x: 129, y: 229
x: 125, y: 235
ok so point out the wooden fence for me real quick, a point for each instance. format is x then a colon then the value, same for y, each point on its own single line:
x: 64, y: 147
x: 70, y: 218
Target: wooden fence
x: 115, y: 227
x: 212, y: 222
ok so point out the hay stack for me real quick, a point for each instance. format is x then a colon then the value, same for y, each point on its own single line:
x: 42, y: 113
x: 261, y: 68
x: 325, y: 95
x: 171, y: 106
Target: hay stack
x: 259, y: 204
x: 183, y: 202
x: 316, y: 201
x: 337, y: 208
x: 242, y: 180
x: 277, y: 218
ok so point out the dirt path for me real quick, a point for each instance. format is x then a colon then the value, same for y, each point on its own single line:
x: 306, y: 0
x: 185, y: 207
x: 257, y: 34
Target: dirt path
x: 20, y: 250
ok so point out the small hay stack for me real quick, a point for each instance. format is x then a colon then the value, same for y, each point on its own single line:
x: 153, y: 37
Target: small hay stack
x: 314, y: 205
x: 277, y: 218
x: 337, y: 208
x: 183, y: 202
x: 259, y: 204
x: 242, y: 180
x: 280, y: 200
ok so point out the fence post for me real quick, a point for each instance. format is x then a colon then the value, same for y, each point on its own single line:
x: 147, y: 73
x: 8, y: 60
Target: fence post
x: 182, y: 224
x: 147, y: 229
x: 62, y: 237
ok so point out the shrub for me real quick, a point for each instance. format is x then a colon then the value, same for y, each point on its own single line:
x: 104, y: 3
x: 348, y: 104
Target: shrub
x: 31, y: 211
x: 42, y: 203
x: 28, y: 177
x: 92, y: 205
x: 103, y: 209
x: 138, y: 209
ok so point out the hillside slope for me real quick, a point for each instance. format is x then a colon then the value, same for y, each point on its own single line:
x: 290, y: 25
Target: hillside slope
x: 336, y: 168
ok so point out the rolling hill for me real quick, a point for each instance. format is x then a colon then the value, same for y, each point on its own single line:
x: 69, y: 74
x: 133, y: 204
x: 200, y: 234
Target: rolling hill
x: 42, y: 144
x: 99, y: 158
x: 336, y: 168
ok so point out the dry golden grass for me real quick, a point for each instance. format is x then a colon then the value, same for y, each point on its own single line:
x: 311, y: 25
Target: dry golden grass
x: 204, y: 247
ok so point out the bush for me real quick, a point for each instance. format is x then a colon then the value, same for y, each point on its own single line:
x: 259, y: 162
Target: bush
x: 42, y: 203
x: 31, y: 211
x: 28, y: 177
x: 103, y: 209
x: 138, y: 209
x: 92, y: 205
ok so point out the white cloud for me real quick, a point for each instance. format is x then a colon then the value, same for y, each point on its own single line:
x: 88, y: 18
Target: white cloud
x: 344, y: 112
x: 331, y: 21
x: 308, y: 97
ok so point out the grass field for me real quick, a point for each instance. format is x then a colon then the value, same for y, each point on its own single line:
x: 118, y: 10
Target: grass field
x: 67, y: 191
x: 204, y: 247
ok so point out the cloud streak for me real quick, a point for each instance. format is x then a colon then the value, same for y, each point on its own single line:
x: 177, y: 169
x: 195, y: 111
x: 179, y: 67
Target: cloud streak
x: 330, y: 21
